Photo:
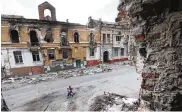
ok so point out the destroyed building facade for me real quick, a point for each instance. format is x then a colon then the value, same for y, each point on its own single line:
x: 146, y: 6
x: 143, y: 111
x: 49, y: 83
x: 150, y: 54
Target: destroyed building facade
x: 156, y: 27
x: 114, y: 43
x: 36, y: 46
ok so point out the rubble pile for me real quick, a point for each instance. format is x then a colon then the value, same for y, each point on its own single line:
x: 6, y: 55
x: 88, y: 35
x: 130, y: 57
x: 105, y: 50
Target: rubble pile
x: 34, y: 79
x: 114, y: 102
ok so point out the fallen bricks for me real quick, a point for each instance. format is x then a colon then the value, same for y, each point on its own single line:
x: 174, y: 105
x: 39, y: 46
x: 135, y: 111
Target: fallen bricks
x: 114, y: 102
x: 34, y: 79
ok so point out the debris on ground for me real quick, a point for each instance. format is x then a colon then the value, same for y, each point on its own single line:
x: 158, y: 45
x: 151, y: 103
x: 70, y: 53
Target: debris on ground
x: 15, y: 82
x: 114, y: 102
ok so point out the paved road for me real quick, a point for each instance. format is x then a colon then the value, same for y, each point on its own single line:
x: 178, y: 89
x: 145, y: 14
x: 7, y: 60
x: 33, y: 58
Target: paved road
x: 122, y: 81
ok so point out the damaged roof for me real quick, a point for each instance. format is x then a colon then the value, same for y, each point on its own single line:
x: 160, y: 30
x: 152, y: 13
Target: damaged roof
x: 21, y: 19
x: 96, y: 23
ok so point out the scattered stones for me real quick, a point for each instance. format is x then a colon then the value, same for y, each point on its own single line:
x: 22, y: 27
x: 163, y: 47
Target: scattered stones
x: 34, y: 79
x: 114, y: 102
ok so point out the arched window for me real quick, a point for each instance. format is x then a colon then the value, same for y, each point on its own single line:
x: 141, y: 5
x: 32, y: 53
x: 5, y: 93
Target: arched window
x: 14, y: 36
x: 43, y: 12
x: 63, y: 39
x: 47, y: 14
x: 48, y: 37
x: 91, y: 37
x: 76, y: 37
x: 33, y: 38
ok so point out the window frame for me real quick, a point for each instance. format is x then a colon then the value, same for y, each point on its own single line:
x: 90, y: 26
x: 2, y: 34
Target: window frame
x: 76, y: 39
x: 18, y: 57
x: 104, y: 38
x: 37, y: 56
x: 65, y: 54
x: 118, y: 38
x: 91, y: 39
x: 108, y: 38
x: 116, y: 49
x: 92, y: 52
x: 11, y: 36
x: 122, y: 53
x: 51, y: 53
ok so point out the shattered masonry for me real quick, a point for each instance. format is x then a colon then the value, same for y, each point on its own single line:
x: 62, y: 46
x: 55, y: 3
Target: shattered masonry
x: 46, y: 45
x: 157, y: 29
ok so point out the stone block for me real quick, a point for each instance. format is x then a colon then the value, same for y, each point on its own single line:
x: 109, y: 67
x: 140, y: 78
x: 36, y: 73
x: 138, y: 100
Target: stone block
x: 146, y: 95
x: 148, y: 75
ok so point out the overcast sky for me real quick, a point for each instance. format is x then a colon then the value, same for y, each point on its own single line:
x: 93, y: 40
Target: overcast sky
x: 75, y: 10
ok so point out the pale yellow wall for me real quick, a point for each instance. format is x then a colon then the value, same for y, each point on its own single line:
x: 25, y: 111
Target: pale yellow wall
x: 79, y: 54
x: 56, y: 33
x: 5, y: 32
x: 23, y: 33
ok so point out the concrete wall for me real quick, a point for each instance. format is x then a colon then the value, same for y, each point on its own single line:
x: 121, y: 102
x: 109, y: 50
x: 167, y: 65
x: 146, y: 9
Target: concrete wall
x: 5, y: 59
x: 26, y: 55
x: 28, y: 67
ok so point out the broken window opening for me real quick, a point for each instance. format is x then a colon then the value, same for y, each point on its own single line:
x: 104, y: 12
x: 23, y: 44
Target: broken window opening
x: 104, y: 38
x: 108, y: 38
x: 65, y: 54
x: 64, y: 39
x: 76, y: 37
x: 118, y: 38
x: 122, y: 51
x: 47, y: 14
x: 91, y: 37
x: 33, y: 38
x: 64, y: 42
x: 18, y: 57
x: 143, y: 52
x: 35, y: 56
x: 14, y: 36
x: 48, y: 38
x: 92, y: 52
x: 51, y: 54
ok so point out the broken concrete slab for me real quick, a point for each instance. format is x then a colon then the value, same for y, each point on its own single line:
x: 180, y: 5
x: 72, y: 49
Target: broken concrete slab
x: 114, y: 102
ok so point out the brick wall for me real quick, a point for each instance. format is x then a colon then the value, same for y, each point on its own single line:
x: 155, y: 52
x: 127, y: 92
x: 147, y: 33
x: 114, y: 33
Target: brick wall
x: 24, y: 71
x: 93, y: 62
x: 117, y: 60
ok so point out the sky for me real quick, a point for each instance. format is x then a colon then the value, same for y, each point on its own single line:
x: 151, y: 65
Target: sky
x: 77, y: 11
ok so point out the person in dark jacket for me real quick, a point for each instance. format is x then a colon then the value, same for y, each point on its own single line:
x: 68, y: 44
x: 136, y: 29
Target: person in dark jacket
x: 70, y: 92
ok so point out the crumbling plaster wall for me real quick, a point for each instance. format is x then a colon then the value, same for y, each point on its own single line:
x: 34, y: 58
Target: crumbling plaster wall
x: 162, y: 72
x: 161, y: 87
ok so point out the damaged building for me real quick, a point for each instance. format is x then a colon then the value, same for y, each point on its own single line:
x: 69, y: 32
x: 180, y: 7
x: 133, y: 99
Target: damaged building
x: 47, y: 45
x: 35, y: 45
x: 156, y: 29
x: 114, y: 43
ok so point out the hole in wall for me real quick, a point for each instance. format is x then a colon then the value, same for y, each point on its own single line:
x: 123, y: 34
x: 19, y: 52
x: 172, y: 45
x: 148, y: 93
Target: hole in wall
x: 143, y: 52
x: 14, y: 36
